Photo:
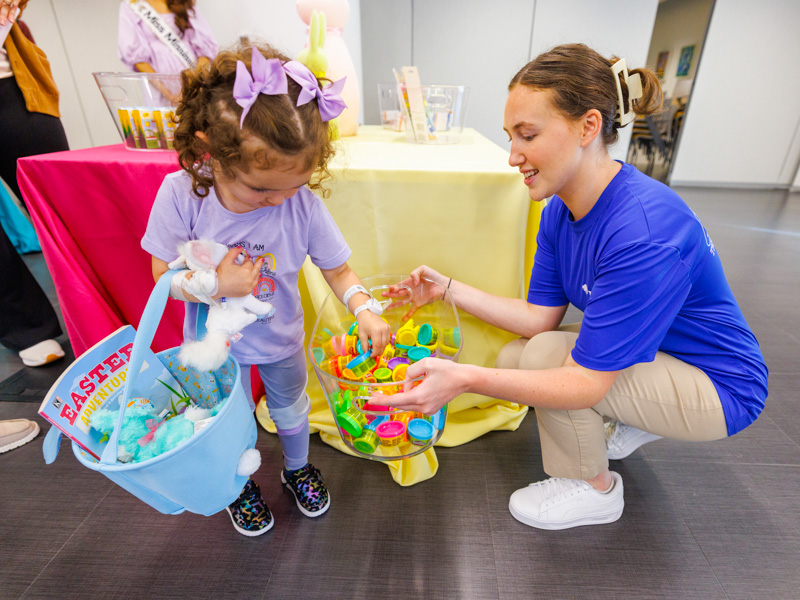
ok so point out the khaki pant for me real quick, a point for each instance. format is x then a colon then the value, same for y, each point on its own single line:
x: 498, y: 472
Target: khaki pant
x: 667, y: 397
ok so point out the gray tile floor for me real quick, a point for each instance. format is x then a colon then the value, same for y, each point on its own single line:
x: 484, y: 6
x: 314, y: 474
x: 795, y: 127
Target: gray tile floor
x: 706, y: 521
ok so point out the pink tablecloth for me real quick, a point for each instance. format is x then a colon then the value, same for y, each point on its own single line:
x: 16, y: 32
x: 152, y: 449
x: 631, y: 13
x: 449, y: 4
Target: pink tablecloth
x: 90, y: 210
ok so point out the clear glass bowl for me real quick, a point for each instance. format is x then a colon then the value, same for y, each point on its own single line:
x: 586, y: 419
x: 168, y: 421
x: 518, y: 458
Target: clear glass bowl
x: 353, y: 384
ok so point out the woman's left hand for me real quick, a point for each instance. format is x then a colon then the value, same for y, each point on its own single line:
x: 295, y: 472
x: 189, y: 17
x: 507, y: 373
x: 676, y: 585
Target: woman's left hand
x: 423, y: 287
x: 372, y: 328
x: 443, y: 381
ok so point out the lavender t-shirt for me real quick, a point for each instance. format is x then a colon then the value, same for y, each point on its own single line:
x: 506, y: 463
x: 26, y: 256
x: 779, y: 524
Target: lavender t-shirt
x: 137, y: 43
x: 283, y: 235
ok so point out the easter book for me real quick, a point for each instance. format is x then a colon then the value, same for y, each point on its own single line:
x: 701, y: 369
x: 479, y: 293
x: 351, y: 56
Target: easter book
x: 97, y: 379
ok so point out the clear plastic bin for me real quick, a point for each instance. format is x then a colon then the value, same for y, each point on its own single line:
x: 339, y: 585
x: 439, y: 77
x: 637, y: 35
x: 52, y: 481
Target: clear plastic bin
x: 445, y: 108
x: 353, y: 382
x: 142, y: 106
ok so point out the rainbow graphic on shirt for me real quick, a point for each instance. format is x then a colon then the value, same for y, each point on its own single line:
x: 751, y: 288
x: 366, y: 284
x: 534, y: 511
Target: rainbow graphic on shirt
x: 265, y: 286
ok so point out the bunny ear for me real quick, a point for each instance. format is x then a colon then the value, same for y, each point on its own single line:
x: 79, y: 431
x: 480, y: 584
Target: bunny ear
x: 322, y: 29
x: 200, y: 254
x: 313, y: 30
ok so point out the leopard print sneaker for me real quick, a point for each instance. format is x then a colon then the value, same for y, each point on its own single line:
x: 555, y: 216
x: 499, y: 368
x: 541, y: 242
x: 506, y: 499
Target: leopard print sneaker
x: 249, y: 512
x: 308, y: 488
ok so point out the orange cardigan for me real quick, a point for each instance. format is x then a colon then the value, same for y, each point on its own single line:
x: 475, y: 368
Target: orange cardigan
x: 32, y: 72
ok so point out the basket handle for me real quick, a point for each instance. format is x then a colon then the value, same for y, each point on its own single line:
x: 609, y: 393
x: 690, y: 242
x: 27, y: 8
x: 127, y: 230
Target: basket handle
x: 148, y: 324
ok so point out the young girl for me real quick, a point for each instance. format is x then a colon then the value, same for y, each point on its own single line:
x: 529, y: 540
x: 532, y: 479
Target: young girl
x: 663, y: 348
x: 252, y: 139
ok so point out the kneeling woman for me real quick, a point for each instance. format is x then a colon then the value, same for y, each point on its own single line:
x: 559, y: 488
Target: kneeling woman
x: 663, y: 349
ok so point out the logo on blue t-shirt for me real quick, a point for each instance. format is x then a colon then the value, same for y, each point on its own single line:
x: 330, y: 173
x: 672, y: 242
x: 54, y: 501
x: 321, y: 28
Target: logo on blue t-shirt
x: 709, y: 243
x: 707, y: 237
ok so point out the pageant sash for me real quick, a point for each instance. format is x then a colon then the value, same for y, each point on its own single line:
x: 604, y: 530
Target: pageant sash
x: 164, y: 32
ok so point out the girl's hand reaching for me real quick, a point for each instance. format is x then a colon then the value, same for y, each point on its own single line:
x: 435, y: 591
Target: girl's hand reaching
x: 237, y: 280
x: 372, y: 328
x: 427, y: 285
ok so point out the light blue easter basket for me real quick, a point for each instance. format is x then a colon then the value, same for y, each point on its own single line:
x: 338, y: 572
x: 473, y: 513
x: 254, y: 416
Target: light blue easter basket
x: 199, y: 475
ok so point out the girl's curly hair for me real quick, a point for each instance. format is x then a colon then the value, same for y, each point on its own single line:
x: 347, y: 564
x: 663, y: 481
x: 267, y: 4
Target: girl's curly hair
x: 207, y: 105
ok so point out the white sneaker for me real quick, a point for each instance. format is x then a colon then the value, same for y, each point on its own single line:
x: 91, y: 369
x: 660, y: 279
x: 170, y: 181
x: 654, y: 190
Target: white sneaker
x: 622, y: 440
x: 42, y: 353
x: 563, y: 503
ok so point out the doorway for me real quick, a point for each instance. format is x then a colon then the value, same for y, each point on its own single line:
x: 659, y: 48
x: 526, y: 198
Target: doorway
x: 675, y: 47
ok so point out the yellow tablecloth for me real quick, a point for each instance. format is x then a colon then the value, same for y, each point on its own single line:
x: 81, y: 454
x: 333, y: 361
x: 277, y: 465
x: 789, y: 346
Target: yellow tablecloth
x: 457, y: 208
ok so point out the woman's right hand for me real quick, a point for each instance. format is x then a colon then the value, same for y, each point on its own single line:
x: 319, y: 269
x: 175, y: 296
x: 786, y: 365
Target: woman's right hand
x: 442, y: 381
x: 427, y: 285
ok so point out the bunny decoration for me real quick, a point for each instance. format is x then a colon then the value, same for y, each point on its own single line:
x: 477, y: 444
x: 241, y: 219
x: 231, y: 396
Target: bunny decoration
x: 226, y: 318
x: 333, y: 17
x: 314, y: 56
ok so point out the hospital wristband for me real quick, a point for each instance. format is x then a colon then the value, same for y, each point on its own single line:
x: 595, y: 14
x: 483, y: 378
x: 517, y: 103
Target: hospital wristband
x: 371, y: 305
x: 352, y: 291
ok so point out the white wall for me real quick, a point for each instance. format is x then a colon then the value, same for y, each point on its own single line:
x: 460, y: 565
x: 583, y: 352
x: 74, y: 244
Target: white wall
x: 41, y: 17
x: 483, y: 44
x: 679, y: 23
x: 622, y: 28
x: 80, y: 37
x: 477, y: 44
x: 741, y: 126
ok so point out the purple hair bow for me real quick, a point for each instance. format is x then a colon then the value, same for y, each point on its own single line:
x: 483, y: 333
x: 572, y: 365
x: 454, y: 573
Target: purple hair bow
x: 329, y: 99
x: 268, y: 78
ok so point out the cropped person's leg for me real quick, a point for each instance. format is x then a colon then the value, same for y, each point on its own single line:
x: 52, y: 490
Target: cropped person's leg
x: 249, y: 512
x: 565, y: 436
x: 26, y: 315
x: 24, y: 133
x: 27, y: 320
x: 573, y: 451
x: 509, y: 355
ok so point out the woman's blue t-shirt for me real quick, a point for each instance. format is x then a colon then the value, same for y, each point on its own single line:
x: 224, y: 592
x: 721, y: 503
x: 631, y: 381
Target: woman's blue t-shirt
x: 647, y: 277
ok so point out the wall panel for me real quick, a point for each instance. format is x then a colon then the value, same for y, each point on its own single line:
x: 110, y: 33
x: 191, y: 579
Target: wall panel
x: 386, y: 36
x: 478, y: 44
x: 612, y: 27
x: 742, y: 118
x: 483, y: 44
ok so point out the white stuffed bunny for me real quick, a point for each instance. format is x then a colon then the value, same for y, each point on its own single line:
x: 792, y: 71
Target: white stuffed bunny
x: 225, y: 319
